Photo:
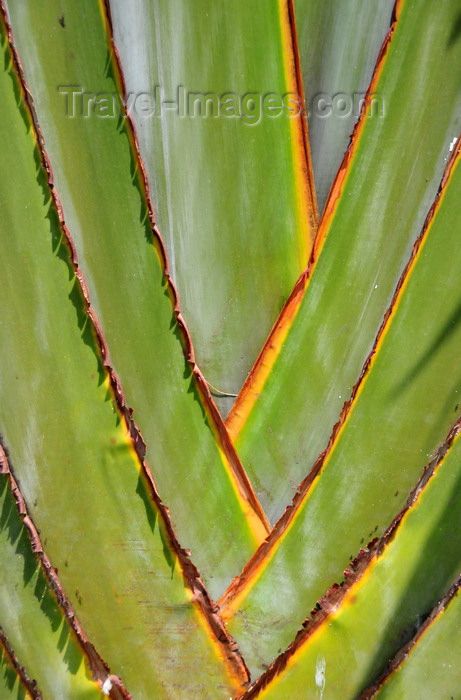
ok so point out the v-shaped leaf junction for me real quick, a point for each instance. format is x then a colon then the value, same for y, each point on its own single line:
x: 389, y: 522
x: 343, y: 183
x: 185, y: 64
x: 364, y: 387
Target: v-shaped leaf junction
x: 61, y: 381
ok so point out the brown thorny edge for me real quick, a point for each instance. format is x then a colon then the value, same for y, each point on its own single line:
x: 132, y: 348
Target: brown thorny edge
x: 332, y: 600
x: 28, y: 683
x: 99, y: 668
x: 240, y: 582
x: 334, y: 596
x: 334, y: 195
x: 200, y: 597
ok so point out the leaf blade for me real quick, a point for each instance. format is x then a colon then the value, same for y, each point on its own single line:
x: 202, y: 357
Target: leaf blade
x: 382, y: 603
x: 430, y: 659
x: 204, y: 172
x: 69, y: 445
x: 382, y: 443
x: 101, y: 188
x: 341, y: 295
x: 31, y: 617
x: 335, y: 67
x: 12, y: 682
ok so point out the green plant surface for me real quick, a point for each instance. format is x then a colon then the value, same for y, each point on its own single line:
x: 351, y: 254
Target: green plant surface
x: 404, y: 407
x: 231, y: 194
x: 11, y: 687
x: 129, y: 500
x: 407, y: 574
x: 338, y: 47
x: 101, y: 189
x: 431, y: 662
x: 31, y: 617
x: 73, y: 457
x: 286, y: 413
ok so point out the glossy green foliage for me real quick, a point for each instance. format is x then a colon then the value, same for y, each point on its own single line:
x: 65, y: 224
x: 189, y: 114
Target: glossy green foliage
x: 11, y: 687
x: 228, y: 182
x: 101, y: 189
x: 383, y: 609
x: 31, y: 618
x: 233, y: 198
x: 390, y: 184
x: 338, y: 47
x: 432, y: 662
x: 413, y: 380
x: 75, y: 464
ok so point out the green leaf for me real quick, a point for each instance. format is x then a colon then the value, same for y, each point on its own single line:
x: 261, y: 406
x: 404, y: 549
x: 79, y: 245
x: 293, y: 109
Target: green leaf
x: 339, y: 44
x: 11, y: 684
x: 286, y: 413
x: 102, y: 192
x: 402, y: 411
x: 30, y: 615
x: 382, y: 605
x: 88, y: 310
x: 99, y: 519
x: 429, y: 665
x: 231, y: 195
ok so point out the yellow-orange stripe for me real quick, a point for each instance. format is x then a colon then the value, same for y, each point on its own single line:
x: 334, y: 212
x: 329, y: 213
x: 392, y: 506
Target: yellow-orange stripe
x: 258, y: 376
x: 234, y: 603
x: 350, y: 598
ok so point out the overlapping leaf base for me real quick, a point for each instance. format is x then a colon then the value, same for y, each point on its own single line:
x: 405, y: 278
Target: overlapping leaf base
x: 125, y: 507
